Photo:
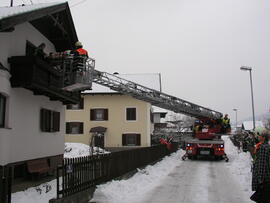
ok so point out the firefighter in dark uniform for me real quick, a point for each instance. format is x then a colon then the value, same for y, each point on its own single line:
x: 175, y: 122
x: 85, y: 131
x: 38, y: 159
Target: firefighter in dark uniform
x: 226, y: 126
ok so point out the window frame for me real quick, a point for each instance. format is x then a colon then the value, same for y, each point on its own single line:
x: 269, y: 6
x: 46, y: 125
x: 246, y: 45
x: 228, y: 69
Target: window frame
x: 126, y: 114
x: 137, y: 139
x: 49, y: 120
x: 69, y: 128
x: 105, y: 114
x: 3, y: 115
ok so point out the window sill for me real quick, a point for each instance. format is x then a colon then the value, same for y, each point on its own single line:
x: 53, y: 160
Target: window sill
x: 7, y: 128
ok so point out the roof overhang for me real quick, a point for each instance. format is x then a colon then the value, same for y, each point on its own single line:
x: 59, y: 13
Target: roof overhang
x: 98, y: 129
x: 53, y: 21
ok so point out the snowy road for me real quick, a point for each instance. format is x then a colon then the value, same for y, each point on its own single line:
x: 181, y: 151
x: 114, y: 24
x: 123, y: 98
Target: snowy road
x: 198, y: 181
x: 173, y: 180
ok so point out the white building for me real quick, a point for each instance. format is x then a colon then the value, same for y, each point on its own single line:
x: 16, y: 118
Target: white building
x: 248, y: 125
x: 32, y: 114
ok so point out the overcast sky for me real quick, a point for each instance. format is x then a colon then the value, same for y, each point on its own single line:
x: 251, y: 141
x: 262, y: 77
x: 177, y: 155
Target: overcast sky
x: 198, y: 46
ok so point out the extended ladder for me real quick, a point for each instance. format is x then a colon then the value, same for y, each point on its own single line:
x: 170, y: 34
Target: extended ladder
x: 84, y: 81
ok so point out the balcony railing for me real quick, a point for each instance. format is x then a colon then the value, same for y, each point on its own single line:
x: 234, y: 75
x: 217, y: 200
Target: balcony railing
x: 42, y: 78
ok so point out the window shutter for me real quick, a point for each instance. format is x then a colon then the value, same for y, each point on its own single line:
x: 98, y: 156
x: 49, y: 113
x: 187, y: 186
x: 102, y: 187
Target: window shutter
x: 48, y: 120
x: 42, y: 120
x: 124, y: 139
x: 130, y: 114
x: 56, y: 121
x: 82, y: 103
x: 138, y: 139
x: 81, y: 128
x: 134, y: 114
x: 67, y: 128
x: 92, y: 114
x: 106, y: 114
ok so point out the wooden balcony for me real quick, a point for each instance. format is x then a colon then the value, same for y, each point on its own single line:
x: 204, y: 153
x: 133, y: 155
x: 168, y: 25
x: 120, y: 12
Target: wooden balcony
x: 37, y: 75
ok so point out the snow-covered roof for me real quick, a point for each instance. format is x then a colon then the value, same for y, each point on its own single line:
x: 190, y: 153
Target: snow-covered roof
x: 248, y: 125
x: 42, y: 15
x: 6, y: 12
x: 150, y: 80
x: 159, y: 110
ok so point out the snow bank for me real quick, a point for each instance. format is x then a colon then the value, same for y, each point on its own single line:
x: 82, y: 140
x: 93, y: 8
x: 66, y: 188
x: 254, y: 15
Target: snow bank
x: 73, y: 150
x: 136, y: 187
x: 239, y: 165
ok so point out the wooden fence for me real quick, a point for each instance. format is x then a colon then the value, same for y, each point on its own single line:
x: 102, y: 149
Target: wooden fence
x: 78, y: 174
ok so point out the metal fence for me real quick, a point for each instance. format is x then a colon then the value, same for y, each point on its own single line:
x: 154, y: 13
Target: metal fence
x: 78, y: 174
x: 5, y: 184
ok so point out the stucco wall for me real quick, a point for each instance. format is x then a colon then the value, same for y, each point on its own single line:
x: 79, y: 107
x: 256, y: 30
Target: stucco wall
x: 14, y: 43
x: 21, y: 139
x: 116, y: 124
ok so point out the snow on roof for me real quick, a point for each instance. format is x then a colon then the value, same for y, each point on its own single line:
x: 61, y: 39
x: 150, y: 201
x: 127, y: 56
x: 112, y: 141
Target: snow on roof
x: 159, y: 110
x: 150, y: 80
x: 6, y: 12
x: 248, y: 125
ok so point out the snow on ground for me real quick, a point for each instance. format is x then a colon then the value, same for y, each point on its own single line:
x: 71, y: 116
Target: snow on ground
x: 239, y: 164
x: 73, y: 150
x: 40, y: 194
x: 44, y: 192
x: 136, y: 188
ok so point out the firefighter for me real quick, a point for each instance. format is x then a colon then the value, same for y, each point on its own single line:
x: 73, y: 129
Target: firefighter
x: 225, y: 123
x: 79, y: 51
x: 80, y: 57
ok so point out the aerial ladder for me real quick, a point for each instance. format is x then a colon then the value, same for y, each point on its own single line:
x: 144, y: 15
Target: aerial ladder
x: 206, y: 141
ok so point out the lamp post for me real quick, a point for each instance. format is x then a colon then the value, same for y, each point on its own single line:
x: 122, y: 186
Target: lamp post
x: 246, y: 68
x: 235, y: 118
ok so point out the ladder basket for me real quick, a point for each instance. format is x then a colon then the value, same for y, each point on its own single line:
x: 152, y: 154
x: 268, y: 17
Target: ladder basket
x: 78, y: 73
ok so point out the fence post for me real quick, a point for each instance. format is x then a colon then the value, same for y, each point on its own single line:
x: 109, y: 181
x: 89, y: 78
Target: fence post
x: 57, y: 182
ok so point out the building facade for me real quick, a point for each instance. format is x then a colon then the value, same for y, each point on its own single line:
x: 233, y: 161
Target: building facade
x: 32, y: 111
x: 110, y: 119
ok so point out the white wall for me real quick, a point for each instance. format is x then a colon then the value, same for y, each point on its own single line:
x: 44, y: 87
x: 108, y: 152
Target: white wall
x: 21, y: 139
x: 14, y: 43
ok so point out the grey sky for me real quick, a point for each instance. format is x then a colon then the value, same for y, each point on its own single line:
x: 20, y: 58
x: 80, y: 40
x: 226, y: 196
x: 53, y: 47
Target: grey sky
x: 198, y: 46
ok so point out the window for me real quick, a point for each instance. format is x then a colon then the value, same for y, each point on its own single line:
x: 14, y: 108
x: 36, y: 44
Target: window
x: 74, y: 128
x: 2, y: 110
x: 131, y: 139
x: 131, y: 114
x: 98, y: 114
x: 80, y: 105
x: 49, y: 120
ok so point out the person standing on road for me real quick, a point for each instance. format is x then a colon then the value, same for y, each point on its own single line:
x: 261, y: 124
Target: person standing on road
x: 261, y: 170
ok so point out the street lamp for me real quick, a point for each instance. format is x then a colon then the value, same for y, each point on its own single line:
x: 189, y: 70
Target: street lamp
x: 246, y: 68
x: 235, y: 118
